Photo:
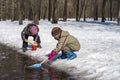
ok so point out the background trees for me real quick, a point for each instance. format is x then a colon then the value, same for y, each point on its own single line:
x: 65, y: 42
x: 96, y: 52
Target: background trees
x: 55, y: 10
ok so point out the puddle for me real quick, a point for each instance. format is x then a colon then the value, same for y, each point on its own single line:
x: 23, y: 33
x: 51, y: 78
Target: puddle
x: 13, y: 67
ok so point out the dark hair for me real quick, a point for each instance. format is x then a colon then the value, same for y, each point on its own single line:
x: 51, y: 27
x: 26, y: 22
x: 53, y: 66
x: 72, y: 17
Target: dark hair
x: 55, y: 31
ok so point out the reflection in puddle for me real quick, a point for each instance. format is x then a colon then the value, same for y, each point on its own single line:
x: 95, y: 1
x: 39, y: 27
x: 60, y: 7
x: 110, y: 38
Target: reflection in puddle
x: 12, y: 67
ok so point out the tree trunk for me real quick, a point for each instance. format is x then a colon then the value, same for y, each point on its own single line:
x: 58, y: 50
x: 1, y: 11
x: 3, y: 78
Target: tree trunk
x: 3, y: 10
x: 7, y: 13
x: 20, y: 12
x: 119, y: 18
x: 44, y: 15
x: 77, y: 10
x: 54, y: 15
x: 110, y: 10
x: 0, y: 10
x: 36, y: 21
x: 84, y: 10
x: 36, y: 4
x: 39, y: 7
x: 118, y: 13
x: 95, y: 10
x: 65, y: 11
x: 49, y: 10
x: 13, y: 10
x: 103, y: 10
x: 32, y: 9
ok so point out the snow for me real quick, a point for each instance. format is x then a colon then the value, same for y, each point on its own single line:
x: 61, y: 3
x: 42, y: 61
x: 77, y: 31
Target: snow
x: 98, y: 58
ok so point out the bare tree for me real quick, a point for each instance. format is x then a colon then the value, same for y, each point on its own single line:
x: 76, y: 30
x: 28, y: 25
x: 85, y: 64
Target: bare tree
x: 103, y: 10
x: 7, y: 13
x: 77, y: 10
x: 49, y: 10
x: 84, y: 10
x: 95, y: 10
x: 45, y: 12
x: 0, y: 10
x: 12, y: 9
x: 65, y: 11
x: 44, y: 9
x: 3, y: 10
x: 35, y: 10
x: 82, y: 7
x: 118, y: 12
x: 30, y: 11
x: 110, y: 9
x: 35, y: 19
x: 54, y: 15
x: 20, y: 5
x: 53, y: 9
x: 39, y: 7
x: 27, y: 8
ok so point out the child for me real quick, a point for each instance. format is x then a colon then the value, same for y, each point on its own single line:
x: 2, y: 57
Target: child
x: 30, y: 30
x: 67, y: 43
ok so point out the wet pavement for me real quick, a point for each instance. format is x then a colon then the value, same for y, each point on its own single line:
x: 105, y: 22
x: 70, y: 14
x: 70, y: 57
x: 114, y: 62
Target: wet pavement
x: 13, y: 67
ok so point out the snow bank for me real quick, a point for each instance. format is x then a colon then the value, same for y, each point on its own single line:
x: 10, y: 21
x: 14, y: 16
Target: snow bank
x: 98, y: 58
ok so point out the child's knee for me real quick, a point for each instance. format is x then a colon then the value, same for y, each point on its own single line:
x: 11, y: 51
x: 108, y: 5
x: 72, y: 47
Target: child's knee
x: 66, y: 49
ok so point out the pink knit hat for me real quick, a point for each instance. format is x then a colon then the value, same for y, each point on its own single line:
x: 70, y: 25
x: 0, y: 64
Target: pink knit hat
x: 33, y: 30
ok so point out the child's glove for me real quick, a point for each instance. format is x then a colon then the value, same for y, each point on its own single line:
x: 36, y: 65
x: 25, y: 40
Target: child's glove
x: 52, y: 54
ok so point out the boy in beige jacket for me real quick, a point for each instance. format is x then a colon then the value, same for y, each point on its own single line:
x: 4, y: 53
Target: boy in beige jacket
x: 67, y: 43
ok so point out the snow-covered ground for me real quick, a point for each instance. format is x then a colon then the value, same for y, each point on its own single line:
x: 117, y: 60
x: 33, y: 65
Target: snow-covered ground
x: 98, y: 58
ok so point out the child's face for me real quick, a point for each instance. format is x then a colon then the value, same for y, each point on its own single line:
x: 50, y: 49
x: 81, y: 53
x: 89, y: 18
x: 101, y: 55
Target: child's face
x: 57, y: 37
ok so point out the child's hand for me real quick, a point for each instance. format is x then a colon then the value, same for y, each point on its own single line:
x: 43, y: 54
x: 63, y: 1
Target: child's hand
x: 52, y: 54
x: 35, y: 43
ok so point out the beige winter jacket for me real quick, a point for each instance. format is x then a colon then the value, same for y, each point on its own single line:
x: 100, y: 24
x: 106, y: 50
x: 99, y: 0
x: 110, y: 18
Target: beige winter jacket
x: 67, y: 43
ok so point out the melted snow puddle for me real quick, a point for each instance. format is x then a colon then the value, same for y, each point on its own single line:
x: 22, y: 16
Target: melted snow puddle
x: 12, y: 67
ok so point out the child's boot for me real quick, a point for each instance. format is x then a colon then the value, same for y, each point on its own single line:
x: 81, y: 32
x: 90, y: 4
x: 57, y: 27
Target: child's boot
x: 63, y: 55
x: 39, y: 46
x: 24, y: 49
x: 71, y: 55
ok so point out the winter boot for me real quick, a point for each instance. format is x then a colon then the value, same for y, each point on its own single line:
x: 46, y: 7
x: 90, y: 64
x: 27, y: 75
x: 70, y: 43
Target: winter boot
x: 39, y: 46
x: 71, y: 55
x: 62, y: 56
x: 24, y: 49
